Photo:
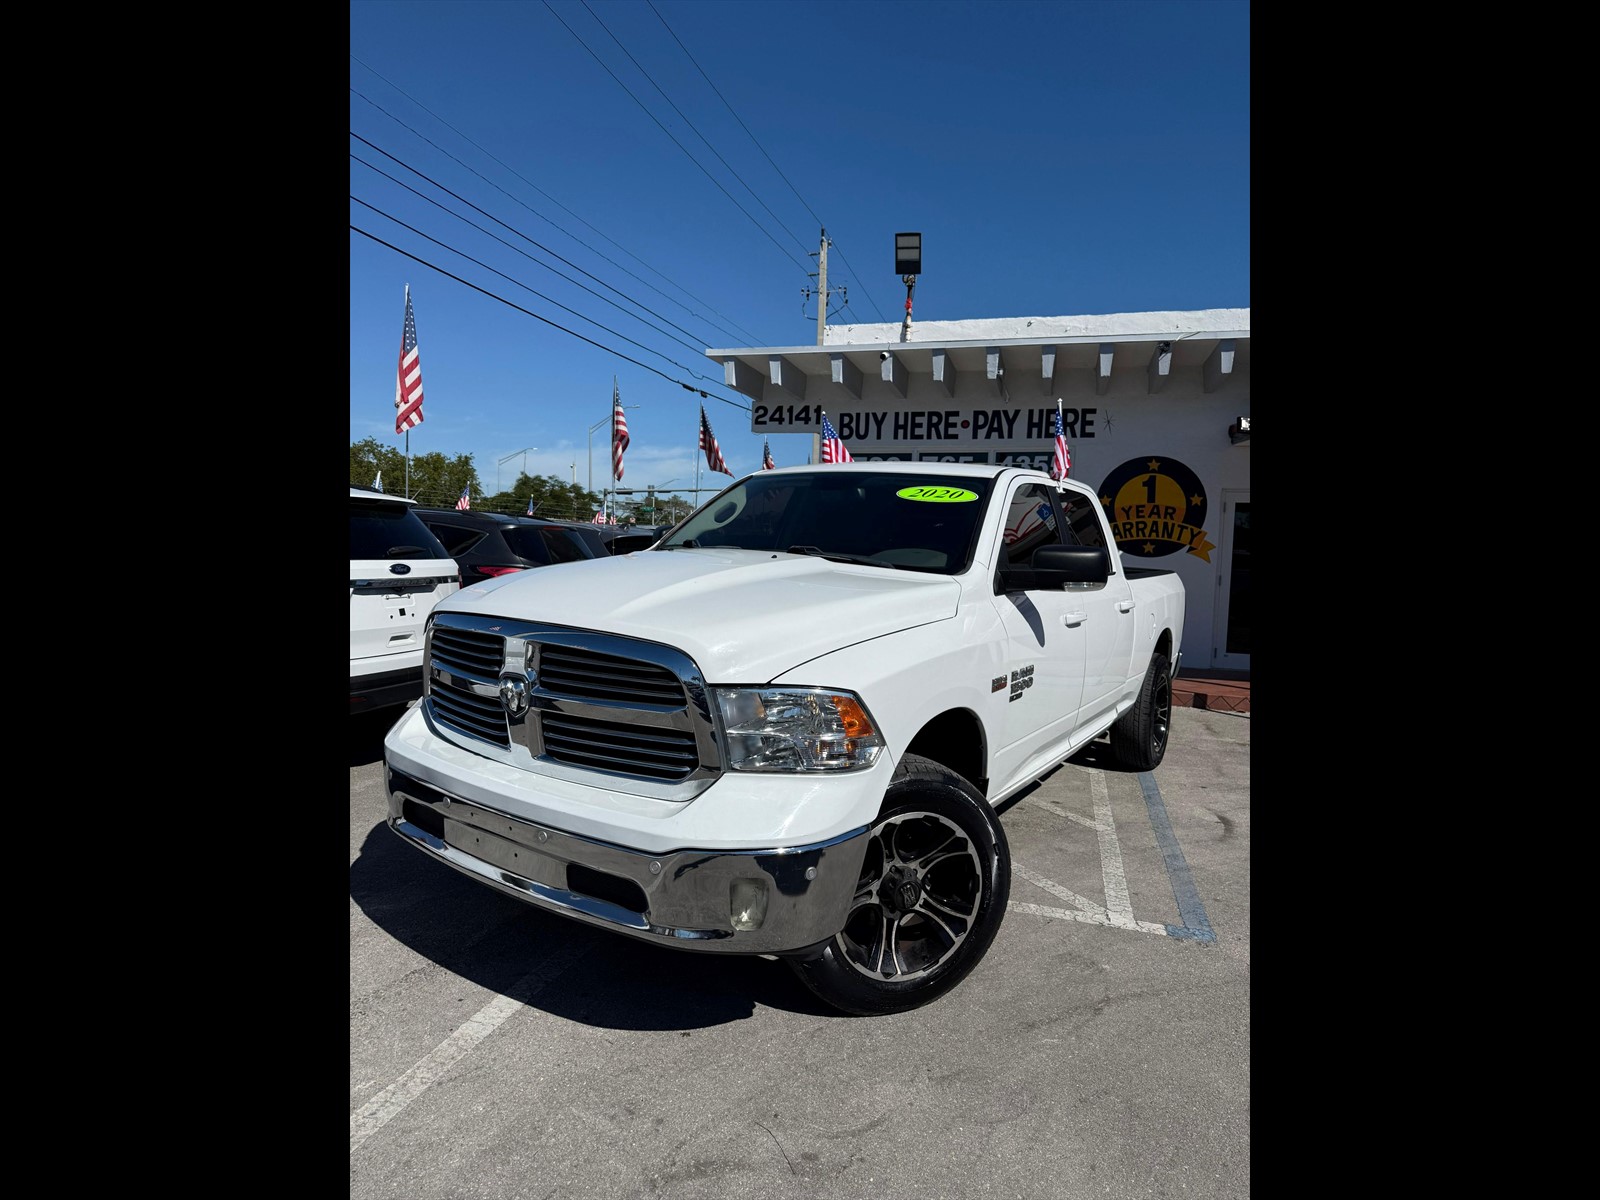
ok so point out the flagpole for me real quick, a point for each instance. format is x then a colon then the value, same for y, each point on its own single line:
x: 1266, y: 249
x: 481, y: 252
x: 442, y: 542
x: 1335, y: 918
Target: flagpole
x: 397, y: 401
x: 1058, y: 426
x: 700, y: 432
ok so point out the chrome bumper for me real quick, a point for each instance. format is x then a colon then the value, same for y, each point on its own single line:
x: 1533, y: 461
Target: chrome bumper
x: 737, y: 902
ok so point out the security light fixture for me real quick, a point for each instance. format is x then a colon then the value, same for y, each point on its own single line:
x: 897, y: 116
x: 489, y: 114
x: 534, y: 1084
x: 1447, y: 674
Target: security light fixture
x: 908, y: 254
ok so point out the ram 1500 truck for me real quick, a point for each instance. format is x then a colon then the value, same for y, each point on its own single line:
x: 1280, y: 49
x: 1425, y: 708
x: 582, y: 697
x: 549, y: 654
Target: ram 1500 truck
x: 784, y: 728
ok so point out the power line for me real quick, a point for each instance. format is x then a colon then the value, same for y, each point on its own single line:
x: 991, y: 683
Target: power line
x: 820, y: 223
x: 691, y: 125
x: 516, y: 250
x: 520, y: 284
x: 498, y: 221
x: 676, y: 142
x: 553, y: 324
x: 859, y: 282
x: 730, y: 322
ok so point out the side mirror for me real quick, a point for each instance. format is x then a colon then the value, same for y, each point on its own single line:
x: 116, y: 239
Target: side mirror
x: 1053, y: 567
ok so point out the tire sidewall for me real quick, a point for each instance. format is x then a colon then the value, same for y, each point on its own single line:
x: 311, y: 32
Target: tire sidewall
x: 829, y: 973
x: 1133, y: 736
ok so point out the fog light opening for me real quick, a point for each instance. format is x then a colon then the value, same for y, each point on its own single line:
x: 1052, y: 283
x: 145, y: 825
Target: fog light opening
x: 747, y: 903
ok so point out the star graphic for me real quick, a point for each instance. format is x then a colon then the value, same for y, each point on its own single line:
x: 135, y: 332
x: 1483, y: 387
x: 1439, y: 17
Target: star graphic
x: 1106, y: 501
x: 1153, y: 465
x: 1149, y: 548
x: 1197, y: 501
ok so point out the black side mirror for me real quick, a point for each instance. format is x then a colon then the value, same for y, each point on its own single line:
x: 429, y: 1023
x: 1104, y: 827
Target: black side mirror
x: 1054, y: 567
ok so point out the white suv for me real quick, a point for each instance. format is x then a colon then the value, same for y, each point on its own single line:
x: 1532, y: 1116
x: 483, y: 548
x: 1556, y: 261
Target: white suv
x: 398, y: 572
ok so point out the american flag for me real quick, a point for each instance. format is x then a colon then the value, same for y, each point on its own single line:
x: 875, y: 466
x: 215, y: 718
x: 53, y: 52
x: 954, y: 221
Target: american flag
x: 530, y: 506
x: 599, y: 518
x: 708, y: 443
x: 1030, y: 520
x: 465, y: 502
x: 377, y: 484
x: 766, y: 456
x: 619, y: 431
x: 833, y: 450
x: 1062, y: 462
x: 408, y: 375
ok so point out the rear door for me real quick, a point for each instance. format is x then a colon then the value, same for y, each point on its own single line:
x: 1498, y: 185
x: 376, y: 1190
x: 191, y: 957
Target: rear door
x: 1109, y: 618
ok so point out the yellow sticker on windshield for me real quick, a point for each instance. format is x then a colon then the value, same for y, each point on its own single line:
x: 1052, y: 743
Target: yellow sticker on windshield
x: 937, y: 495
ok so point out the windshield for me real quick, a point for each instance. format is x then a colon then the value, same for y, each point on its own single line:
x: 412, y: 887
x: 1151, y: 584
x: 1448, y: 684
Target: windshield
x: 914, y: 522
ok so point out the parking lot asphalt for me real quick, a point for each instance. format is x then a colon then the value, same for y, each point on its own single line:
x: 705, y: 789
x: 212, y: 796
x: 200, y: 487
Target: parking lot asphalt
x: 1101, y: 1049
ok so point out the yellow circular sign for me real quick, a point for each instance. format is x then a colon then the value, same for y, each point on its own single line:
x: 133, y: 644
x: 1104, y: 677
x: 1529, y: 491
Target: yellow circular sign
x: 937, y: 495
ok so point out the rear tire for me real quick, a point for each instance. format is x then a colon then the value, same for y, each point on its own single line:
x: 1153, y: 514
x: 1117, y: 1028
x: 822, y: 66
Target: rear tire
x: 1139, y: 737
x: 930, y: 899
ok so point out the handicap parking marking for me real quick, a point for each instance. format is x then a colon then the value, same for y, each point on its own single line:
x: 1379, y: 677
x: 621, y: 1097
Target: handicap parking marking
x: 1117, y: 911
x: 1195, y: 926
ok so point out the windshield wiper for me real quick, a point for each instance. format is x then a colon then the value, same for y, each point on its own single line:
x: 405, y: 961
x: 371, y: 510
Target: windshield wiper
x: 836, y: 556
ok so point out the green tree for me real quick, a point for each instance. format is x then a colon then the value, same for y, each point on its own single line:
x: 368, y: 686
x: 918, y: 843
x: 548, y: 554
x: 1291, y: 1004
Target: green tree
x: 432, y: 479
x: 369, y: 457
x: 551, y: 497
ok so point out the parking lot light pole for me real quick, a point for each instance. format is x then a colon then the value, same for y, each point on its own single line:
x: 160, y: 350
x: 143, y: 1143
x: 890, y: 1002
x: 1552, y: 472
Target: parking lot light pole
x: 508, y: 458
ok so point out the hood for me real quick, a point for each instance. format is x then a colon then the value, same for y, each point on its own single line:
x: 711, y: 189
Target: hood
x: 744, y: 616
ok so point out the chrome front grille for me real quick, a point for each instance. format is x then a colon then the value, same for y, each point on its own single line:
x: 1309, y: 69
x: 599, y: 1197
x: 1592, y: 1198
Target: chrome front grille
x: 616, y: 746
x: 596, y: 704
x: 594, y: 676
x: 464, y: 682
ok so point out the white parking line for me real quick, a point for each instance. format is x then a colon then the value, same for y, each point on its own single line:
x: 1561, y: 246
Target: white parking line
x: 1060, y: 810
x: 1110, y: 855
x: 392, y: 1101
x: 1117, y: 911
x: 1055, y: 889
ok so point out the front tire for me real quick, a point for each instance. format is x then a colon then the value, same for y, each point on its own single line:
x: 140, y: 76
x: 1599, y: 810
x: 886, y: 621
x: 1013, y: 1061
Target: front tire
x: 1139, y: 737
x: 930, y: 899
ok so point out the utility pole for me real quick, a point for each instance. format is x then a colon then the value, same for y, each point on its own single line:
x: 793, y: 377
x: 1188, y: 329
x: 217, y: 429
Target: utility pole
x: 822, y: 287
x: 822, y: 290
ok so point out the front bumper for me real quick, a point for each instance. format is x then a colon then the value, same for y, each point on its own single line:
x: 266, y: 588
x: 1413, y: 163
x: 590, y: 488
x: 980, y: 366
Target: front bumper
x: 764, y: 901
x: 384, y: 689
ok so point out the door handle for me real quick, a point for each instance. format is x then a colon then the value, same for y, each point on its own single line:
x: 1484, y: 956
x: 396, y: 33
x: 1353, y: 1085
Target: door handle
x: 1074, y: 618
x: 1124, y: 605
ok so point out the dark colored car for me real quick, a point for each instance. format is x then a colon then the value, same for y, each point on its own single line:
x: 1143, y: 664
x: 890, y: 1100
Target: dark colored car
x: 622, y: 539
x: 636, y: 537
x: 589, y: 533
x: 617, y: 539
x: 485, y: 544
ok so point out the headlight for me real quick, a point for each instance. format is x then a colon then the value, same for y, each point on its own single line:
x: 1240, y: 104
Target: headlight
x: 797, y: 729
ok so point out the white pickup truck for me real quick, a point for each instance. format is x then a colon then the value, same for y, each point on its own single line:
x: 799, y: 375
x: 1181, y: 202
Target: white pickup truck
x: 783, y: 729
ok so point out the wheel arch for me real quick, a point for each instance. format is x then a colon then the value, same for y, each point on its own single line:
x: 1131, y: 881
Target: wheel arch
x: 1164, y: 646
x: 955, y: 739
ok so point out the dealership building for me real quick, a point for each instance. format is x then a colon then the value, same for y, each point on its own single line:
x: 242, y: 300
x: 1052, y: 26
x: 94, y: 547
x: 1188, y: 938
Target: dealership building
x: 1155, y: 406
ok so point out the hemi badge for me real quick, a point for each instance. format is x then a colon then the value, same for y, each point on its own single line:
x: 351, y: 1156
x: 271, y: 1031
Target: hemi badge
x: 997, y: 684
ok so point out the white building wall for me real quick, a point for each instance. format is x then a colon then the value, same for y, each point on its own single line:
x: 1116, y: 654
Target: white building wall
x: 1165, y: 459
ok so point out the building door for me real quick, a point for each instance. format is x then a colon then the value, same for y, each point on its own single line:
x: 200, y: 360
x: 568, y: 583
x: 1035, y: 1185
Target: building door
x: 1230, y: 637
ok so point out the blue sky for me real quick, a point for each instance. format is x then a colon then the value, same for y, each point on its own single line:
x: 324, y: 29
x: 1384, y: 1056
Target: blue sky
x: 654, y: 176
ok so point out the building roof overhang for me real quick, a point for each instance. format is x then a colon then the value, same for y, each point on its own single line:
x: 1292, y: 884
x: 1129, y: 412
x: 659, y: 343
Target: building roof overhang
x: 839, y: 367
